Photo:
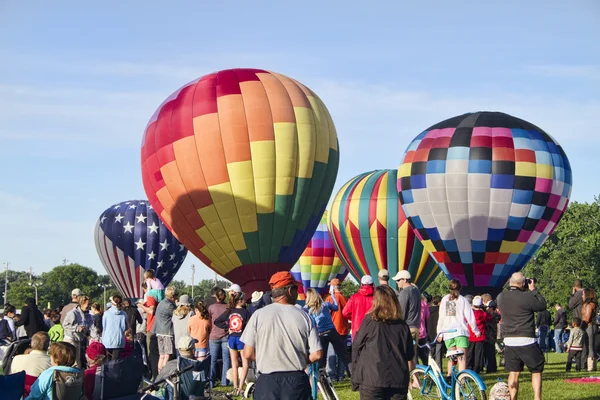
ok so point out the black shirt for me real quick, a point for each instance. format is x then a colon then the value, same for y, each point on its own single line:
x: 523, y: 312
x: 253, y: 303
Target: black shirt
x: 234, y: 320
x: 544, y: 318
x: 434, y: 315
x: 560, y: 319
x: 517, y: 309
x: 380, y: 354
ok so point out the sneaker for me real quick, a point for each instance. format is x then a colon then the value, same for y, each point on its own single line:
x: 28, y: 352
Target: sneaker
x: 249, y: 390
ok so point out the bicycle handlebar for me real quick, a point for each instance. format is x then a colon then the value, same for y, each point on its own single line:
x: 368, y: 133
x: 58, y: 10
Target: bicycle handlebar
x: 428, y: 344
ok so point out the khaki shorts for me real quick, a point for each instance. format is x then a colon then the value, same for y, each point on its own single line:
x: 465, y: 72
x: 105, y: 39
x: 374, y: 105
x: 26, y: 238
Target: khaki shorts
x: 165, y: 344
x: 415, y: 332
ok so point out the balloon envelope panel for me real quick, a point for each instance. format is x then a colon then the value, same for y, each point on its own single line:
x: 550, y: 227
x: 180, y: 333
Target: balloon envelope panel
x: 240, y: 165
x: 319, y: 263
x: 371, y: 233
x: 130, y: 239
x: 483, y: 191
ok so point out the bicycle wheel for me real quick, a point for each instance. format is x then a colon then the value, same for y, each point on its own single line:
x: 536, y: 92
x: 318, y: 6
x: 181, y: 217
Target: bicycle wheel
x: 427, y: 387
x: 469, y: 386
x: 326, y: 387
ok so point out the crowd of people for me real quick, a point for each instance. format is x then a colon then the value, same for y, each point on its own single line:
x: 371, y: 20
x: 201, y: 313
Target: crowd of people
x: 276, y: 337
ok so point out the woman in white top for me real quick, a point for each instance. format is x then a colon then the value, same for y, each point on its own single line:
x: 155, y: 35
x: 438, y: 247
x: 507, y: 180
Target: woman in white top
x: 455, y: 313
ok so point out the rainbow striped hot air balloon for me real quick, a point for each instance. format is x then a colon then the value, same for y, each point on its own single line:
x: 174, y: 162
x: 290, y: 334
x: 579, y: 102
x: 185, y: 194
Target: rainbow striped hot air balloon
x: 240, y: 165
x: 371, y: 233
x: 319, y: 262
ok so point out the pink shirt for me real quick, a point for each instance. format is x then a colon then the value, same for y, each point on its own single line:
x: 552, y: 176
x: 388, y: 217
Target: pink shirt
x: 424, y: 318
x: 154, y: 284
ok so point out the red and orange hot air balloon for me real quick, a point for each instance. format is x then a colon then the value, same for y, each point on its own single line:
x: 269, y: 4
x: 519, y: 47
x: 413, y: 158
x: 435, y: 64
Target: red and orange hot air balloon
x: 240, y: 165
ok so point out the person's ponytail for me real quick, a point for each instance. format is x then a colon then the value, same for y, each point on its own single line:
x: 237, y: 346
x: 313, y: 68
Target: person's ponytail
x: 454, y: 286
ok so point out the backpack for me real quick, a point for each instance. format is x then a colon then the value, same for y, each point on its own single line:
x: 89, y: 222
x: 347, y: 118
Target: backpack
x: 67, y: 385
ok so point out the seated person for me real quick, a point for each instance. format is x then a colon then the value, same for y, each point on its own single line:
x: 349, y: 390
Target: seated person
x: 62, y: 356
x: 187, y: 349
x: 95, y: 356
x: 37, y: 360
x: 5, y: 331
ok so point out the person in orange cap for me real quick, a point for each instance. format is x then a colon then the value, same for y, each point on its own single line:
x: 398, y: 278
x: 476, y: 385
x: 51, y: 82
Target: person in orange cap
x: 282, y: 339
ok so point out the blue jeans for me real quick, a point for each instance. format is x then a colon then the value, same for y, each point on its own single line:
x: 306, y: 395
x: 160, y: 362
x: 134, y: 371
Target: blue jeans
x: 217, y: 347
x: 558, y: 343
x: 543, y: 337
x: 335, y: 365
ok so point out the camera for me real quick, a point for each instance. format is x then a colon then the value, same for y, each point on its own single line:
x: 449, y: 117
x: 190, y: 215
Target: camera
x: 529, y: 280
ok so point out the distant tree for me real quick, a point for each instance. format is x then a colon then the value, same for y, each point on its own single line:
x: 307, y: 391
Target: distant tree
x: 571, y: 252
x: 61, y: 280
x: 439, y: 286
x: 349, y: 287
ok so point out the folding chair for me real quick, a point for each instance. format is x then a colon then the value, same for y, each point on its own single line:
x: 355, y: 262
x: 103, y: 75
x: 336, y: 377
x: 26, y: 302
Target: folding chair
x: 119, y: 378
x: 12, y: 386
x: 67, y: 385
x: 13, y: 350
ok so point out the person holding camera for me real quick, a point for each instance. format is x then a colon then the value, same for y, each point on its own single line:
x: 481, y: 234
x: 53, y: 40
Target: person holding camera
x: 518, y: 307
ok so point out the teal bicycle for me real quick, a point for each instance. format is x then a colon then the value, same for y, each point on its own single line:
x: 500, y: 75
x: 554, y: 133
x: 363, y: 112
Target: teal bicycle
x: 428, y: 382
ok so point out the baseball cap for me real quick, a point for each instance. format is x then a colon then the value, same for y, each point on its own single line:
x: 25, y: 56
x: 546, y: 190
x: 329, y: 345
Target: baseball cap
x: 403, y: 274
x: 95, y: 349
x: 334, y: 282
x: 186, y: 343
x: 366, y: 280
x: 184, y: 300
x: 235, y: 288
x: 477, y: 302
x: 282, y: 279
x: 76, y: 292
x: 383, y: 274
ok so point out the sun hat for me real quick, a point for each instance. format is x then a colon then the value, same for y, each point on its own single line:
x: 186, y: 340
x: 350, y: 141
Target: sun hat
x: 256, y: 296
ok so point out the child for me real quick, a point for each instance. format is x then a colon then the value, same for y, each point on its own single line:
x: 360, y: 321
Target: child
x: 199, y: 329
x: 235, y: 319
x: 575, y: 345
x: 96, y: 328
x: 56, y: 333
x: 475, y: 352
x: 154, y: 285
x: 62, y: 356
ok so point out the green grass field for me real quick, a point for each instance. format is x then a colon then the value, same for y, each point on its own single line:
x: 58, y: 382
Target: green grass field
x: 554, y: 387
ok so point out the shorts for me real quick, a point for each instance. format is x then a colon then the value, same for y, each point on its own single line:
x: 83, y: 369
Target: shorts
x: 235, y: 343
x: 292, y: 385
x: 165, y: 345
x: 517, y: 356
x: 202, y: 353
x: 459, y: 342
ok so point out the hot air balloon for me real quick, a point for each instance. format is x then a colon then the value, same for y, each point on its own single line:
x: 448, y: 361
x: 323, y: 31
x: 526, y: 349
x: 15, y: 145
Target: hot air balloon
x: 130, y: 239
x: 371, y: 233
x: 319, y: 262
x: 483, y: 191
x: 240, y: 165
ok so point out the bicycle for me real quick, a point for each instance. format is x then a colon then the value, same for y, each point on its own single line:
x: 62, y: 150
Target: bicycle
x: 320, y: 380
x: 465, y: 384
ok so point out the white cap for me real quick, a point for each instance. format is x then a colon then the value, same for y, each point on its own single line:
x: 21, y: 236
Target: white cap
x: 403, y: 274
x: 366, y: 280
x: 477, y: 302
x: 76, y: 292
x: 235, y: 288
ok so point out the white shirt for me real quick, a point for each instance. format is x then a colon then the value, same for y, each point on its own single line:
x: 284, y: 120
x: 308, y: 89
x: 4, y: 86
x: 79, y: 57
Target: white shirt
x: 33, y: 363
x: 453, y: 314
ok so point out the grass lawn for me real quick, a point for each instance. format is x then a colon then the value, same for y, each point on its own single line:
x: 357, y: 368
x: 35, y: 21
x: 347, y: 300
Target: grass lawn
x: 554, y: 387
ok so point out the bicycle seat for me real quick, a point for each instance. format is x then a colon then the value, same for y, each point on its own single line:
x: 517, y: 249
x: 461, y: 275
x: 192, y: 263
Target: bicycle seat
x: 454, y: 353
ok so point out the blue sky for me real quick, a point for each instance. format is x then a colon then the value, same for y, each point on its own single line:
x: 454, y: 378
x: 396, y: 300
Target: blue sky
x: 78, y: 82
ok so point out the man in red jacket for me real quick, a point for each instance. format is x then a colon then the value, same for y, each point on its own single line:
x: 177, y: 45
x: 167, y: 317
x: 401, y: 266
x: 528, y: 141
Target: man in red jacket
x: 475, y: 352
x: 359, y: 304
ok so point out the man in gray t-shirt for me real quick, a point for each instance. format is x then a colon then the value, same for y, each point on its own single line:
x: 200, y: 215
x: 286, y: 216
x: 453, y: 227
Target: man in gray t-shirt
x: 283, y: 340
x: 410, y: 302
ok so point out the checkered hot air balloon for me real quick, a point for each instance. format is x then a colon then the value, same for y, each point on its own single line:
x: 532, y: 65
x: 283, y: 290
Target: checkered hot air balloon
x: 319, y: 262
x: 371, y: 233
x: 130, y: 239
x: 240, y: 165
x: 483, y: 191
